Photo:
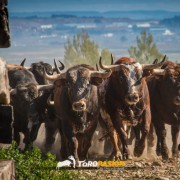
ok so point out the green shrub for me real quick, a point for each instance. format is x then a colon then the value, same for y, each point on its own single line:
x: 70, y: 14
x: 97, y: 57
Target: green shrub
x: 33, y: 164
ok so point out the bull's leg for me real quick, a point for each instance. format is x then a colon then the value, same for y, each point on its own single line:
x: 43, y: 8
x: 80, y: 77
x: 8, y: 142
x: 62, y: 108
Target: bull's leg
x: 51, y: 131
x: 73, y: 145
x: 16, y: 136
x: 161, y: 135
x: 123, y: 137
x: 175, y: 134
x: 151, y: 139
x: 145, y: 127
x: 34, y: 132
x: 106, y: 122
x: 131, y: 135
x: 27, y: 140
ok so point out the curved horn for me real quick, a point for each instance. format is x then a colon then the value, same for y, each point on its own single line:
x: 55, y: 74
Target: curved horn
x: 49, y: 102
x: 113, y: 67
x: 45, y: 87
x: 13, y: 91
x: 50, y: 77
x: 56, y: 67
x: 97, y: 68
x: 106, y: 67
x: 158, y: 72
x: 22, y: 63
x: 62, y: 66
x: 155, y: 61
x: 154, y: 66
x: 99, y: 74
x: 112, y: 60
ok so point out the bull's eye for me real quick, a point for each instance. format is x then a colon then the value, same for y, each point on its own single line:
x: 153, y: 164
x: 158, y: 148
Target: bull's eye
x: 120, y: 79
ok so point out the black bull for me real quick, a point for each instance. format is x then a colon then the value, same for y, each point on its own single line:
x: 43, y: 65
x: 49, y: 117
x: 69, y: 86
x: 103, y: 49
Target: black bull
x: 76, y: 104
x: 24, y: 91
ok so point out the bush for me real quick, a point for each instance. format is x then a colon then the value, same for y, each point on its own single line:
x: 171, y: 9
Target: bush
x: 32, y: 164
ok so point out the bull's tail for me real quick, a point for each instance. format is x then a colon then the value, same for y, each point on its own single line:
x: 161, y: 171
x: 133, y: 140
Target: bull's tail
x: 179, y: 147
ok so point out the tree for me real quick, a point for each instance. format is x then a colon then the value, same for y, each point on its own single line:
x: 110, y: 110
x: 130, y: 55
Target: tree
x: 146, y: 50
x: 81, y: 50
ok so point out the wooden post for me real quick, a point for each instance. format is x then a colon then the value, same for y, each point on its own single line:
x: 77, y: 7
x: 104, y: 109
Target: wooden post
x: 6, y: 124
x: 7, y: 170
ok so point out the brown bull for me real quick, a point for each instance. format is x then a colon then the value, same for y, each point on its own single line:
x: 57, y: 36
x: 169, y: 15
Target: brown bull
x: 164, y: 89
x: 76, y: 103
x: 125, y: 101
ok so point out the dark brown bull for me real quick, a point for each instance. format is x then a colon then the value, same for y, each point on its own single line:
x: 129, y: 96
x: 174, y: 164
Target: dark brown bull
x: 125, y: 101
x: 164, y: 89
x: 24, y: 91
x: 76, y: 104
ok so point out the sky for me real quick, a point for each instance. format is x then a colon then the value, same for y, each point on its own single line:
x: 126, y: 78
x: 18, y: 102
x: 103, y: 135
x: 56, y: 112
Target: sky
x: 89, y: 5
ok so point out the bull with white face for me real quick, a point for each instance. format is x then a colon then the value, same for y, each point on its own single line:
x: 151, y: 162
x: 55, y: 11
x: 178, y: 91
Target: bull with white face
x: 125, y: 101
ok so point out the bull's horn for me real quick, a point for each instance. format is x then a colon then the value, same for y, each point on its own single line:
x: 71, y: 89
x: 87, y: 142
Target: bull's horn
x: 113, y: 67
x: 62, y: 66
x: 99, y: 74
x: 112, y: 60
x: 106, y: 67
x: 58, y: 69
x: 154, y: 66
x: 155, y: 61
x: 50, y: 77
x: 97, y: 68
x: 22, y: 63
x: 49, y: 102
x: 13, y: 91
x: 45, y: 87
x: 158, y: 72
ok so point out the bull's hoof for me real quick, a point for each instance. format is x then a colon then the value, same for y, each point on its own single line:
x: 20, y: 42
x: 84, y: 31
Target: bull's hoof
x: 126, y: 156
x: 158, y: 151
x: 138, y: 150
x: 115, y: 156
x: 165, y: 154
x: 175, y: 153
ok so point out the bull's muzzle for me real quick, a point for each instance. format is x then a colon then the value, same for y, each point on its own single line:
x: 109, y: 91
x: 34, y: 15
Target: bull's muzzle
x: 79, y: 106
x: 132, y: 98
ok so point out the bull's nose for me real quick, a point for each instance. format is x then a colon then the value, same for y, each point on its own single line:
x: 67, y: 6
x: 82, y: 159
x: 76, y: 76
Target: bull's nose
x: 79, y: 106
x: 132, y: 98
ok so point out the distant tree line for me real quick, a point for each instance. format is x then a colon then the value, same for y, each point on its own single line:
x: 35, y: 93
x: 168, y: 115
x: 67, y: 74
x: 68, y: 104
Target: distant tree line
x: 82, y: 49
x: 171, y: 22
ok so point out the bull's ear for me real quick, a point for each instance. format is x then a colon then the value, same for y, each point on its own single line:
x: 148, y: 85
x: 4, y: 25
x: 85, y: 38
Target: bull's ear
x: 96, y: 81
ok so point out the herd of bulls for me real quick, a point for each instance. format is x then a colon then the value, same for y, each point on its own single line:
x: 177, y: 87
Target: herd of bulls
x: 125, y: 98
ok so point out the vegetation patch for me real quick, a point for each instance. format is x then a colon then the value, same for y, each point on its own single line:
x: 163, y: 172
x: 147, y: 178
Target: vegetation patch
x: 33, y: 164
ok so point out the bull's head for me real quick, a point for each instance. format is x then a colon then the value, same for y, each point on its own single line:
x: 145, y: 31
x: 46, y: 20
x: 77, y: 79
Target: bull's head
x: 25, y: 95
x: 128, y: 78
x: 79, y: 80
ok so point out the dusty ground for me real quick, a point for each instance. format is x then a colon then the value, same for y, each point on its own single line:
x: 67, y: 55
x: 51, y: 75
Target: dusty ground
x: 146, y: 167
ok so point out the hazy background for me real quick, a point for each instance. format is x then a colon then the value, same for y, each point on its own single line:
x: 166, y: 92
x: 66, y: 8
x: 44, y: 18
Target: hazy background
x: 40, y: 28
